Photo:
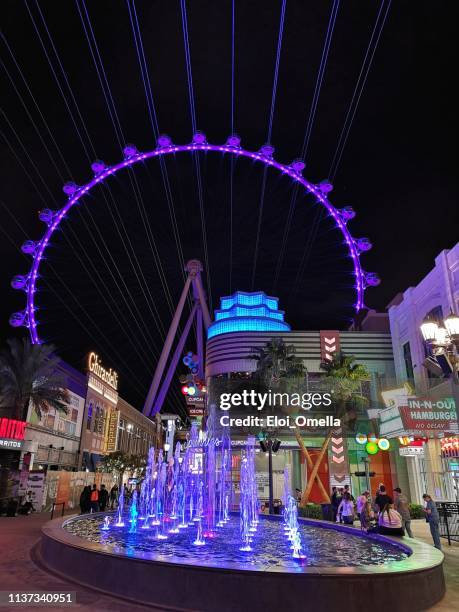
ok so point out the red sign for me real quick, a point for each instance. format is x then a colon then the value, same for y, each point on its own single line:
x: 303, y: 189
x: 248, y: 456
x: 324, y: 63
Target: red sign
x: 329, y: 344
x: 195, y: 411
x: 426, y: 415
x: 12, y: 429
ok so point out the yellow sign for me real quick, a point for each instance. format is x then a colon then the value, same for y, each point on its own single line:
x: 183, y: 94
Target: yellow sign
x: 112, y: 433
x: 108, y: 376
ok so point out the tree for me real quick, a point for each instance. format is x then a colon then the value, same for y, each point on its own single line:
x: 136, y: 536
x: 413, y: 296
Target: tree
x: 278, y: 366
x: 277, y: 363
x: 29, y: 374
x: 119, y: 462
x: 346, y: 377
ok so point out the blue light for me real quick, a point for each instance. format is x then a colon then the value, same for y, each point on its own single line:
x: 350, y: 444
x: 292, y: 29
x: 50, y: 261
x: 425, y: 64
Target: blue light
x: 248, y: 312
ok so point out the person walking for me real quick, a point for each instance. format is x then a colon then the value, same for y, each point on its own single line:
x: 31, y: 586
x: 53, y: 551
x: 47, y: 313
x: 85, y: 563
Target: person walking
x: 335, y: 502
x: 390, y: 521
x: 382, y: 499
x: 366, y: 516
x: 346, y: 509
x: 94, y: 498
x: 103, y: 498
x: 362, y: 500
x: 348, y: 490
x: 433, y: 518
x: 113, y: 496
x: 85, y: 499
x: 401, y: 505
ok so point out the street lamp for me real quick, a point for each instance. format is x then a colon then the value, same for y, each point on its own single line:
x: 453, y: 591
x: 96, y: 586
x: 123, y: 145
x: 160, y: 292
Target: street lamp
x: 269, y: 446
x: 443, y: 338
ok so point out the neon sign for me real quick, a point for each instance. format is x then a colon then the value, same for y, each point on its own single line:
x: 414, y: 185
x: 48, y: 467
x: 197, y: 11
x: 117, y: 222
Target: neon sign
x: 12, y: 429
x: 108, y: 376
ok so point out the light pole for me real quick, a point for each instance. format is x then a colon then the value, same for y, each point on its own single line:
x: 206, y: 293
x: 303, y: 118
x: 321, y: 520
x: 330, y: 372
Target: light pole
x: 443, y: 339
x: 270, y: 445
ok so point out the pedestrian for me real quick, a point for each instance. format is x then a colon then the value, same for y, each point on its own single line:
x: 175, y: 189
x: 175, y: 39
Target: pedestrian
x: 346, y: 509
x: 113, y: 496
x: 382, y: 499
x: 367, y: 516
x: 85, y: 500
x: 401, y: 505
x: 390, y: 521
x: 298, y: 495
x: 335, y: 502
x: 362, y: 500
x: 94, y: 498
x: 103, y: 498
x: 348, y: 490
x: 433, y: 518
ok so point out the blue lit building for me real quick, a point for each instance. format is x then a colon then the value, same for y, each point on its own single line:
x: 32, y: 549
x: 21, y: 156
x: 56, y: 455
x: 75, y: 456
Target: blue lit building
x: 248, y: 312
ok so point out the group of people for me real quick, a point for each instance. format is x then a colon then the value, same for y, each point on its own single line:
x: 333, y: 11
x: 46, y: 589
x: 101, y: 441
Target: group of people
x: 93, y: 499
x: 387, y: 515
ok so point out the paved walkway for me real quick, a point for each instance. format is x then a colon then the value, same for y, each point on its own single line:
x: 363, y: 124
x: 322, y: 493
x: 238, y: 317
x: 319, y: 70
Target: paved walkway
x: 21, y: 570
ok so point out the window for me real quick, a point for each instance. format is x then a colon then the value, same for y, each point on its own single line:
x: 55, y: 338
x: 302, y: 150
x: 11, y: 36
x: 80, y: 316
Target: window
x: 436, y: 314
x: 89, y: 417
x: 408, y: 360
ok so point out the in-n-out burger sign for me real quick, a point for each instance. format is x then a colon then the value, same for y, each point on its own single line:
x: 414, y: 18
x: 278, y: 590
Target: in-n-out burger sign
x: 426, y: 414
x: 108, y: 376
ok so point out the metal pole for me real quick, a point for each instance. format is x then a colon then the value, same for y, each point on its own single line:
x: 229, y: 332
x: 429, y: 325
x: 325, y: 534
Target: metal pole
x: 200, y: 344
x: 148, y: 406
x: 173, y: 364
x: 270, y: 471
x: 366, y: 462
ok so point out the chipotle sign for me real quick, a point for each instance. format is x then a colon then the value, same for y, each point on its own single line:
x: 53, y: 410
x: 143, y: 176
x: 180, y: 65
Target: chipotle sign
x: 429, y: 415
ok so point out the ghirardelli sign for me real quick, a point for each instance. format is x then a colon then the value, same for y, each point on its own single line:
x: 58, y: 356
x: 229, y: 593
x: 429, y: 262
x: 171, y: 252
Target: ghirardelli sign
x: 110, y: 377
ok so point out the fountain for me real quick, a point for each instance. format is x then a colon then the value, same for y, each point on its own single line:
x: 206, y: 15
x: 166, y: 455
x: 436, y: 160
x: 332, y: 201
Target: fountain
x: 187, y: 530
x: 119, y: 522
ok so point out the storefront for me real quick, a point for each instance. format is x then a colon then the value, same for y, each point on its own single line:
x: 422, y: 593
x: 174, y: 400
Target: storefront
x: 424, y: 428
x: 229, y: 361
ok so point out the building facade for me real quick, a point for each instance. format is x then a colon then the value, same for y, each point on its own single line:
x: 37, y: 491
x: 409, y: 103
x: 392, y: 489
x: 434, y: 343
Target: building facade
x: 434, y: 297
x: 110, y: 423
x: 229, y: 357
x: 53, y: 440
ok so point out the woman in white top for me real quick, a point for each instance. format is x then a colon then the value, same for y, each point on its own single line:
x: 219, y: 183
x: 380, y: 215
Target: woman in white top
x: 390, y: 521
x: 346, y: 509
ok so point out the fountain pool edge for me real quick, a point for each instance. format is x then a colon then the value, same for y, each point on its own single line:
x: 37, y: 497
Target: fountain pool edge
x: 418, y: 579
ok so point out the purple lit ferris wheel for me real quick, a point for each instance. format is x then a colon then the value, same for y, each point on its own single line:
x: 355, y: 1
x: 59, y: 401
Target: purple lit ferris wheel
x: 165, y: 146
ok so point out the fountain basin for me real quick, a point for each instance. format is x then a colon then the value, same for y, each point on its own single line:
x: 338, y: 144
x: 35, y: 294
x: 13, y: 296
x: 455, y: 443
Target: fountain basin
x: 171, y: 577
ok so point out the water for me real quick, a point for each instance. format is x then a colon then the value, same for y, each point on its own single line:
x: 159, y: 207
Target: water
x: 321, y: 546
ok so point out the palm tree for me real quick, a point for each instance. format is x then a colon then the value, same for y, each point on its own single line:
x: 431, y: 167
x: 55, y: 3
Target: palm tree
x: 277, y: 363
x: 29, y: 375
x: 346, y: 377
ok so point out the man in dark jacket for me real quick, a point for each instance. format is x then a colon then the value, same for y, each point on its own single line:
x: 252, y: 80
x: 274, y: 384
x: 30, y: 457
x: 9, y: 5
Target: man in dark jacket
x: 103, y: 498
x: 85, y: 500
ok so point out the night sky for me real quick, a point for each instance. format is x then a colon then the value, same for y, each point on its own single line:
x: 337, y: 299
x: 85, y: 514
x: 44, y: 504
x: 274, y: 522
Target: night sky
x: 113, y: 272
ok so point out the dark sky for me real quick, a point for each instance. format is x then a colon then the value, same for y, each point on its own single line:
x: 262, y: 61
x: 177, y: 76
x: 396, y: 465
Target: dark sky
x: 112, y: 273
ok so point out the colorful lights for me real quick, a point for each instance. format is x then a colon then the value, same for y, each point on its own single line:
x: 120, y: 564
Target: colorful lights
x: 165, y: 147
x: 373, y: 444
x: 384, y: 444
x: 247, y: 312
x: 371, y: 448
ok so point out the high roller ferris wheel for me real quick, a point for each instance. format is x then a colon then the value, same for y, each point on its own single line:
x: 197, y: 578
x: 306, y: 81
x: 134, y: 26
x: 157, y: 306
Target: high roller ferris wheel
x: 165, y: 146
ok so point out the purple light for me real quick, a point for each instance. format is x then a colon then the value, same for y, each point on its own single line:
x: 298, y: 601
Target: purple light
x: 98, y: 166
x: 165, y: 147
x: 70, y: 188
